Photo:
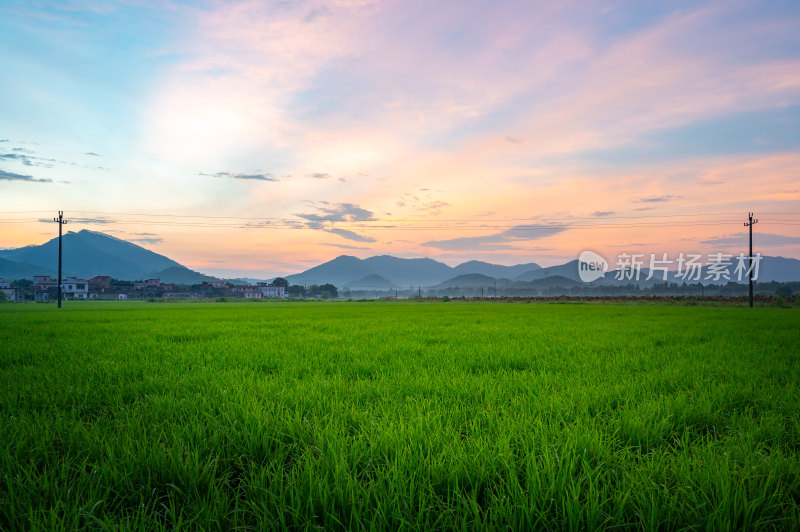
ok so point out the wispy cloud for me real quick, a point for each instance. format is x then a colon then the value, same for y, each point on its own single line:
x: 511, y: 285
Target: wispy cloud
x: 316, y: 13
x: 656, y: 199
x: 432, y: 207
x: 328, y: 215
x: 150, y: 240
x: 319, y: 175
x: 422, y: 201
x: 519, y: 233
x: 28, y: 160
x: 92, y: 220
x: 769, y: 240
x: 344, y: 246
x: 93, y: 154
x: 232, y: 175
x: 339, y: 212
x: 9, y: 176
x: 601, y: 214
x: 350, y: 235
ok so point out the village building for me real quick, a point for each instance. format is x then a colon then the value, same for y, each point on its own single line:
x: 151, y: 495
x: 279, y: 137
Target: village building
x: 71, y: 287
x: 75, y: 288
x: 43, y: 285
x: 10, y: 293
x: 147, y: 284
x: 100, y: 284
x: 271, y: 290
x: 248, y: 292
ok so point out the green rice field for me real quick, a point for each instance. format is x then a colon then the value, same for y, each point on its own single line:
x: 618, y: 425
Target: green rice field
x: 399, y: 415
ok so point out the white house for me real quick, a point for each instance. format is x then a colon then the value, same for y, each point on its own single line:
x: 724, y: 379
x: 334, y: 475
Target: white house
x: 75, y: 288
x: 11, y: 293
x: 251, y: 292
x: 269, y: 290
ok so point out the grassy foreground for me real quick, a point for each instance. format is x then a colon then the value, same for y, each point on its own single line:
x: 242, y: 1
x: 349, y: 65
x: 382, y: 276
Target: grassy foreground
x: 398, y: 416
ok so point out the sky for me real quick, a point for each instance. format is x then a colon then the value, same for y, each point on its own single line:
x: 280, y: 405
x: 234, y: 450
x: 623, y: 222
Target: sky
x: 260, y: 138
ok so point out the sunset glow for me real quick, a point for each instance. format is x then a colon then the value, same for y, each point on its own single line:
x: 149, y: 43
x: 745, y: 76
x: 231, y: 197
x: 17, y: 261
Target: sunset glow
x: 261, y: 138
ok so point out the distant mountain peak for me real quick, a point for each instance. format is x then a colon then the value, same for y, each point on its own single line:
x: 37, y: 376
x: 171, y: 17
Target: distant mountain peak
x: 421, y: 271
x: 88, y: 253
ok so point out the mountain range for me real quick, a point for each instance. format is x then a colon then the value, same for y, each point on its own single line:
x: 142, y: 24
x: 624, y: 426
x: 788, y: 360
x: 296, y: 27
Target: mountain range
x: 350, y: 271
x: 89, y: 253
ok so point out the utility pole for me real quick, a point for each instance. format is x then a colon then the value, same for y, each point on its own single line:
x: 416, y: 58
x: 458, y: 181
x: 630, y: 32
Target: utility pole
x: 749, y: 224
x: 61, y: 221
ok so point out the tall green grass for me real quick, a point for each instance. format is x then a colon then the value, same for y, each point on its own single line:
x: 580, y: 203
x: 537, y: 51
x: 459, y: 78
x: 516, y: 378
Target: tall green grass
x: 399, y: 416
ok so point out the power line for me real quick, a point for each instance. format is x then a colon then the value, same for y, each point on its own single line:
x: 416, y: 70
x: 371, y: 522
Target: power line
x: 349, y: 225
x: 417, y: 219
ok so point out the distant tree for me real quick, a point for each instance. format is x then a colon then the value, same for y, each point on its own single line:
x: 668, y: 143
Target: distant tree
x: 280, y: 281
x: 24, y: 289
x: 295, y: 290
x: 328, y: 291
x: 3, y: 297
x: 784, y: 290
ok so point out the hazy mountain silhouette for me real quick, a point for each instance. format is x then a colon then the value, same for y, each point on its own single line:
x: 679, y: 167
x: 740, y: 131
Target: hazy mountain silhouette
x: 494, y: 270
x: 372, y: 281
x: 180, y: 275
x: 554, y: 281
x: 779, y: 269
x: 345, y: 270
x: 408, y: 272
x: 339, y: 271
x: 89, y: 253
x: 568, y: 270
x: 471, y: 280
x: 10, y: 270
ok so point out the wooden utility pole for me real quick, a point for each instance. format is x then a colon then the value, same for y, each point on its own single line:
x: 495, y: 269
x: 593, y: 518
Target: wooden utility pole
x: 61, y: 221
x: 751, y: 221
